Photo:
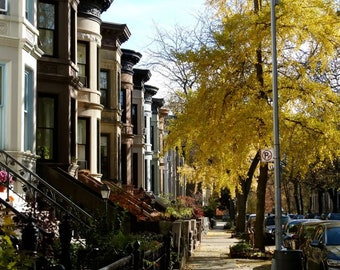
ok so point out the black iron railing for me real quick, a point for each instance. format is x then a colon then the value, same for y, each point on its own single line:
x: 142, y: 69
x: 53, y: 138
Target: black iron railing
x: 34, y: 188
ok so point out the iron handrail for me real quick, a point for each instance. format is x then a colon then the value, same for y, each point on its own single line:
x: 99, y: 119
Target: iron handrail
x: 37, y: 185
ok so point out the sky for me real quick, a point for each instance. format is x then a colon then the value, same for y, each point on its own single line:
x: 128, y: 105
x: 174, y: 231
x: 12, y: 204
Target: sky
x: 142, y: 16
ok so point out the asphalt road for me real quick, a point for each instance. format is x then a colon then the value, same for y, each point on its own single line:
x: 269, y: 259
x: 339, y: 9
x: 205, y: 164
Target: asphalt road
x: 213, y: 253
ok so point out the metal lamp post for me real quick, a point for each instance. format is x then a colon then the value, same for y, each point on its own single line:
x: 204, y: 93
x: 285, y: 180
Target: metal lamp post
x: 278, y: 210
x: 105, y: 192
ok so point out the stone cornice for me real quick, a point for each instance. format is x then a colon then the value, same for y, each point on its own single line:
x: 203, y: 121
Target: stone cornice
x: 150, y: 90
x: 156, y: 104
x: 113, y: 34
x: 129, y: 59
x: 140, y: 76
x: 92, y: 9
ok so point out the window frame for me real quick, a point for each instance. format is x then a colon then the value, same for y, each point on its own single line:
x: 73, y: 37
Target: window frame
x: 2, y: 104
x: 105, y: 159
x: 53, y: 128
x: 106, y: 91
x: 28, y: 109
x: 84, y: 77
x: 29, y: 11
x: 134, y: 118
x: 53, y: 29
x: 84, y: 161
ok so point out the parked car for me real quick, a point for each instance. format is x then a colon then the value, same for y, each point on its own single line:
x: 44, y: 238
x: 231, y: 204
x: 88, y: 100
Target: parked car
x: 296, y: 216
x: 290, y: 233
x: 323, y: 250
x: 333, y: 216
x: 269, y: 227
x: 305, y: 232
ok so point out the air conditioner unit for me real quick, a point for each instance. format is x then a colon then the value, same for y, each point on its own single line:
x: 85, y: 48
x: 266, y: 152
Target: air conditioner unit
x: 3, y: 5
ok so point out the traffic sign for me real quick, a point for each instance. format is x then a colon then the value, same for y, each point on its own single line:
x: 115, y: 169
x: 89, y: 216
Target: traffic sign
x: 267, y: 155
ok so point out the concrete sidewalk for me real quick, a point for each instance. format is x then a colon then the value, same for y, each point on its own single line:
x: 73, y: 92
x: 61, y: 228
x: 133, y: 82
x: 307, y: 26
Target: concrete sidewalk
x: 213, y: 253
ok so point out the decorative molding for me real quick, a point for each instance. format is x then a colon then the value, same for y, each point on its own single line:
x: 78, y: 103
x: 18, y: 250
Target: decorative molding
x: 83, y: 96
x: 90, y: 37
x: 3, y: 28
x: 30, y: 36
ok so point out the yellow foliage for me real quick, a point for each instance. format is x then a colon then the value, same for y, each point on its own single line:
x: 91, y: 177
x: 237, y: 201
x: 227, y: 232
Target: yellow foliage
x: 230, y: 116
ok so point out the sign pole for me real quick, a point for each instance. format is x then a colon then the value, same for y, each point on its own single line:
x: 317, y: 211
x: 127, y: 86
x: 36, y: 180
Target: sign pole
x: 277, y: 183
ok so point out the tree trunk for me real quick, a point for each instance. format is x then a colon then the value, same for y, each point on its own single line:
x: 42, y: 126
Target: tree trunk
x: 320, y: 192
x: 260, y: 205
x: 301, y: 200
x: 296, y: 195
x: 241, y: 211
x: 334, y: 197
x: 242, y: 196
x: 285, y: 184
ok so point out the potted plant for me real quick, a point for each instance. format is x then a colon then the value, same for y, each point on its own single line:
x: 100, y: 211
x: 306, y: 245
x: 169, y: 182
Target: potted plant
x: 5, y: 180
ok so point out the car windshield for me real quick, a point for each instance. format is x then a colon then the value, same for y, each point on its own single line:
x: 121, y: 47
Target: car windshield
x: 333, y: 236
x: 308, y: 232
x: 271, y: 220
x: 293, y: 227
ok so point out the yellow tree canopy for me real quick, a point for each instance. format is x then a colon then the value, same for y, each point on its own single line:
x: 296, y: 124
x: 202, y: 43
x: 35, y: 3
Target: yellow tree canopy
x: 230, y: 116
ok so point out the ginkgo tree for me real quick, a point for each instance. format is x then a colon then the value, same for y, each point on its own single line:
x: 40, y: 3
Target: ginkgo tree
x: 229, y: 118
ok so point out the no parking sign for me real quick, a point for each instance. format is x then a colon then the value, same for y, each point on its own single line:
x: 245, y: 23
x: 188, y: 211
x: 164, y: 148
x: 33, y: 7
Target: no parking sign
x: 267, y: 155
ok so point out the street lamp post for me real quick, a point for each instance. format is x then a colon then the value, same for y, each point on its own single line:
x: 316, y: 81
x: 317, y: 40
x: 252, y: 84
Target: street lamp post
x: 278, y: 210
x: 105, y: 192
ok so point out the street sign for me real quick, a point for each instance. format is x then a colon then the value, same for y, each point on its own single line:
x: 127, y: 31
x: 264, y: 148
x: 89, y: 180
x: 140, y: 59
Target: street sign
x: 267, y: 155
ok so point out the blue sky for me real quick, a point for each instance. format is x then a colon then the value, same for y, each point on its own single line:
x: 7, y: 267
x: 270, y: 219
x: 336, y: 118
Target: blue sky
x: 142, y: 16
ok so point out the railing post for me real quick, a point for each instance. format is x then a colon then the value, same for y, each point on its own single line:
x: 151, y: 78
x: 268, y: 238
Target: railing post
x: 137, y: 257
x: 30, y: 235
x: 167, y: 249
x: 65, y: 232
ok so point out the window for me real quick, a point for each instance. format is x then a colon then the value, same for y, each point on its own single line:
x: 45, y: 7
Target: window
x: 82, y: 141
x: 104, y: 87
x: 73, y: 35
x: 47, y: 27
x: 29, y: 9
x: 2, y: 85
x: 134, y: 119
x: 2, y: 101
x: 152, y: 138
x: 28, y: 115
x: 46, y: 127
x: 104, y: 151
x: 82, y: 54
x: 123, y: 104
x: 135, y: 170
x: 146, y: 134
x: 3, y: 6
x: 118, y: 89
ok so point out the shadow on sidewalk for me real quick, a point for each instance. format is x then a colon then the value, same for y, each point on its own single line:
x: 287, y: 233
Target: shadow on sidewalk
x: 213, y: 253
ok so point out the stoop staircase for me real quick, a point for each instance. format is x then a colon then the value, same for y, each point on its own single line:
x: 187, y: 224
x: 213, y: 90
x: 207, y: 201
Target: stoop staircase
x: 67, y: 195
x: 29, y: 188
